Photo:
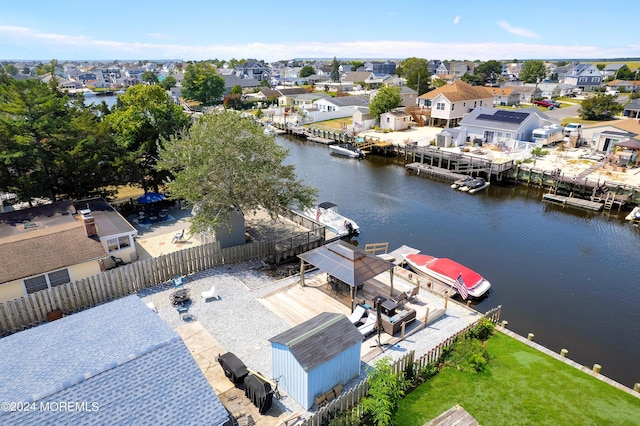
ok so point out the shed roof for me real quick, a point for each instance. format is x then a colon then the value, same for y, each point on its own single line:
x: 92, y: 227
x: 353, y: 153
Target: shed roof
x: 120, y: 356
x: 346, y: 262
x: 320, y: 339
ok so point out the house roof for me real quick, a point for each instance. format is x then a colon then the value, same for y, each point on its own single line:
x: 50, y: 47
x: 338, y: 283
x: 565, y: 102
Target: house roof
x: 634, y: 105
x: 120, y: 356
x: 320, y: 339
x: 108, y: 220
x: 496, y: 118
x: 459, y: 91
x: 345, y: 101
x: 501, y: 91
x: 57, y: 240
x: 631, y: 125
x: 356, y: 76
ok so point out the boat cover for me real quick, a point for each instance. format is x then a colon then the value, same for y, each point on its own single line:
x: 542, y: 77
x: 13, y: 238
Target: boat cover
x: 233, y: 368
x: 327, y: 205
x: 259, y: 392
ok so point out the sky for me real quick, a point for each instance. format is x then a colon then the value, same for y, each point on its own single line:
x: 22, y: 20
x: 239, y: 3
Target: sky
x: 352, y: 29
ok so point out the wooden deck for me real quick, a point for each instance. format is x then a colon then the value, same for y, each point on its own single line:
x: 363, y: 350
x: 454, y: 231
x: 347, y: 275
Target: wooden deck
x: 574, y: 202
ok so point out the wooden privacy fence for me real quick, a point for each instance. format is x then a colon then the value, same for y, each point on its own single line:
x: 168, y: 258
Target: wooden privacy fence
x: 349, y: 400
x: 30, y: 310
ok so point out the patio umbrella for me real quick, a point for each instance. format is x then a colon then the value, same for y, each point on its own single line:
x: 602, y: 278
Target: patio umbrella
x: 150, y: 197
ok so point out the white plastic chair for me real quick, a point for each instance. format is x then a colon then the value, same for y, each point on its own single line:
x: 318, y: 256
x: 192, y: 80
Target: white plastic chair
x: 369, y: 326
x: 210, y: 294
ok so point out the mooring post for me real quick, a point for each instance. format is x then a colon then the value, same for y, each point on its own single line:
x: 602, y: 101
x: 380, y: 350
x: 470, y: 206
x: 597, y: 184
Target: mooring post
x: 563, y: 352
x: 597, y: 368
x: 505, y: 323
x: 530, y: 336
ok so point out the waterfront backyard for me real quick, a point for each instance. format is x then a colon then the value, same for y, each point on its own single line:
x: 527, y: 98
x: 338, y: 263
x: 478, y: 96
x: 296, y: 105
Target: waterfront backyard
x: 521, y: 386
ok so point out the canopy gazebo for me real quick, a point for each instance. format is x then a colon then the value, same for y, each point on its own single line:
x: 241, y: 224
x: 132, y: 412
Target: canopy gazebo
x: 631, y: 144
x: 347, y: 263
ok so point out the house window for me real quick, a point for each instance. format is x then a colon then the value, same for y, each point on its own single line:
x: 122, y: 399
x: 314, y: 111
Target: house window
x: 35, y: 284
x: 58, y: 277
x: 595, y: 79
x: 583, y: 79
x: 115, y: 244
x: 50, y: 280
x: 440, y: 106
x: 453, y: 106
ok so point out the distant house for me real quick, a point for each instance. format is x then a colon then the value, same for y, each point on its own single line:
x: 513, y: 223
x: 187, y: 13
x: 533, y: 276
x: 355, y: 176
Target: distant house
x: 395, y: 120
x: 116, y: 363
x: 493, y: 125
x: 432, y: 65
x: 382, y: 67
x: 583, y: 76
x: 342, y: 103
x: 527, y: 93
x: 632, y: 109
x: 357, y: 77
x: 315, y: 356
x: 57, y: 243
x: 611, y: 70
x: 255, y: 70
x: 505, y: 96
x: 449, y: 103
x: 303, y: 100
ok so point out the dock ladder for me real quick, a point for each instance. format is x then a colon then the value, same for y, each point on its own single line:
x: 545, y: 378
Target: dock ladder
x: 608, y: 202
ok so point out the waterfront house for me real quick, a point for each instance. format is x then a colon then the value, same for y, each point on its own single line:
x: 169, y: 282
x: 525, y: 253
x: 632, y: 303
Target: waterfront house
x: 449, y: 103
x: 605, y: 135
x: 314, y: 357
x: 344, y: 104
x: 57, y: 243
x: 503, y: 126
x: 116, y: 363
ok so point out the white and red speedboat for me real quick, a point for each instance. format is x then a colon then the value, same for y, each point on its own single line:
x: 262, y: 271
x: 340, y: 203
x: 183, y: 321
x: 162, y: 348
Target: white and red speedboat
x: 450, y: 273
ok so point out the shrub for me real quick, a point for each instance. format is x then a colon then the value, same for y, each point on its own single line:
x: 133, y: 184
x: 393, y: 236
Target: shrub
x: 386, y: 391
x: 428, y: 371
x: 482, y: 330
x: 468, y: 355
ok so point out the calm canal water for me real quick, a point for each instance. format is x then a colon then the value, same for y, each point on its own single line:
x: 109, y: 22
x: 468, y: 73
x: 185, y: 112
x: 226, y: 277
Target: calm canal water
x: 570, y: 277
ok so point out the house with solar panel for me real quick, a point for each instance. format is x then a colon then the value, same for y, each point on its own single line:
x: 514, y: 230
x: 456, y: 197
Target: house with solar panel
x: 316, y: 357
x: 117, y: 363
x: 503, y: 126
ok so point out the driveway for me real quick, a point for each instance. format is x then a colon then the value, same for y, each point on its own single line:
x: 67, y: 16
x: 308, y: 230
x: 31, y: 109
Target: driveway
x: 559, y: 114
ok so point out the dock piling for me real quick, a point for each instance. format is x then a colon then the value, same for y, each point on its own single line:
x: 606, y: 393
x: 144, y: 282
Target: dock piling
x: 530, y: 336
x: 563, y: 352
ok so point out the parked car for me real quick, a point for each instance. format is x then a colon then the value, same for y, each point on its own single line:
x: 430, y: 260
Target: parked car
x: 556, y: 104
x: 572, y: 127
x: 546, y: 103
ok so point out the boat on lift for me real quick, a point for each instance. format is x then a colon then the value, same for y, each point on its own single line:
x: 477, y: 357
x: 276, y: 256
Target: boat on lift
x: 327, y: 214
x: 348, y: 150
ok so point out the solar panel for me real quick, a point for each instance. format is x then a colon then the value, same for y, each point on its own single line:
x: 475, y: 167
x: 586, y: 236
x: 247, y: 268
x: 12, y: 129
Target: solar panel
x: 504, y: 116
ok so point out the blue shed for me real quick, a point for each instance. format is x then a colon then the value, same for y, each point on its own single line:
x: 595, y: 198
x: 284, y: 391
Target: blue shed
x: 313, y: 357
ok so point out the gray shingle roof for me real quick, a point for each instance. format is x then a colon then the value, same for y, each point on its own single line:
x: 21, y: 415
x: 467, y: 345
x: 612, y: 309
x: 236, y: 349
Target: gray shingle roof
x: 120, y: 356
x: 319, y: 339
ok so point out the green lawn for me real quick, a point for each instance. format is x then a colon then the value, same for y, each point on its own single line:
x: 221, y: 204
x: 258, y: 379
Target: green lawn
x: 521, y: 386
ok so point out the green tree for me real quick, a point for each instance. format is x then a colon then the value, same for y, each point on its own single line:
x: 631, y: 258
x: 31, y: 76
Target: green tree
x: 233, y: 101
x: 385, y: 100
x: 533, y: 71
x: 149, y: 77
x: 264, y: 83
x: 11, y: 69
x: 416, y: 71
x: 472, y: 79
x: 386, y: 391
x: 601, y: 66
x: 625, y: 73
x: 335, y: 70
x: 489, y: 71
x: 601, y: 107
x: 225, y: 162
x: 438, y: 82
x: 236, y: 90
x: 356, y: 64
x: 51, y: 146
x: 142, y: 116
x: 168, y: 82
x: 202, y: 83
x: 306, y: 71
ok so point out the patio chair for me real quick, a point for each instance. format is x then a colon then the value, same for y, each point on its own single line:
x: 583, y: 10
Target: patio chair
x: 178, y: 237
x: 401, y: 298
x: 369, y: 325
x: 210, y: 294
x: 411, y: 294
x: 357, y: 314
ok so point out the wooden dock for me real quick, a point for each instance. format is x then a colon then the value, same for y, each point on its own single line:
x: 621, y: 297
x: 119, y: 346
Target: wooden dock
x: 319, y: 139
x: 571, y: 201
x: 433, y: 171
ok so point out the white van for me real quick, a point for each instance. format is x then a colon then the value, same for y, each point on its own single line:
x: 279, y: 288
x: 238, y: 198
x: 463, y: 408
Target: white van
x: 572, y: 127
x: 612, y: 92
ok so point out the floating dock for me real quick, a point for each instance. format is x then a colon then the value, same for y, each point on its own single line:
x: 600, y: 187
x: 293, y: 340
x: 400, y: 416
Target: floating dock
x: 571, y: 201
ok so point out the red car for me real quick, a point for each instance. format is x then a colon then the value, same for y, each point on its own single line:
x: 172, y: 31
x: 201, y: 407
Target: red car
x: 547, y: 103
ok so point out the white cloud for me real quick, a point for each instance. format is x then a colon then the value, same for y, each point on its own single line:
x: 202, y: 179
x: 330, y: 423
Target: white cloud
x: 456, y: 20
x: 44, y: 46
x: 517, y: 31
x: 160, y: 36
